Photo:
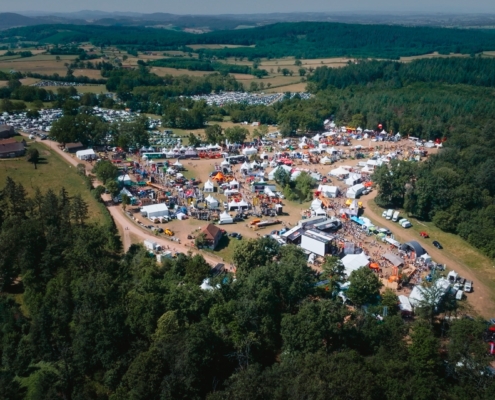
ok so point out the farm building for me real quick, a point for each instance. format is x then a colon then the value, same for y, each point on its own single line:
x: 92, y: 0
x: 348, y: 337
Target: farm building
x: 213, y: 235
x: 74, y: 147
x: 11, y: 150
x: 6, y: 131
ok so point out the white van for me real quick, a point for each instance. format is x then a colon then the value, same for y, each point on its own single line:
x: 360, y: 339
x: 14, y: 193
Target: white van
x: 390, y: 213
x: 395, y: 218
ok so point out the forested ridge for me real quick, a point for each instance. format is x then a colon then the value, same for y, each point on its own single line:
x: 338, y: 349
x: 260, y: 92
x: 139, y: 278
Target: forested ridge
x: 301, y: 39
x: 85, y: 321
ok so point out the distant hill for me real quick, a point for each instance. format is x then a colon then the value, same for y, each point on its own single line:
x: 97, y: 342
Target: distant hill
x: 12, y: 20
x: 231, y: 21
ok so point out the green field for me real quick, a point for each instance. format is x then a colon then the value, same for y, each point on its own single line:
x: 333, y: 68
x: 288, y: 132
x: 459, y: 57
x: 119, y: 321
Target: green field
x: 52, y: 173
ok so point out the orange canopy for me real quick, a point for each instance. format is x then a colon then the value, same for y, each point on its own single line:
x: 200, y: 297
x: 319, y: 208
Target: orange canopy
x: 374, y: 266
x: 368, y: 184
x: 219, y: 176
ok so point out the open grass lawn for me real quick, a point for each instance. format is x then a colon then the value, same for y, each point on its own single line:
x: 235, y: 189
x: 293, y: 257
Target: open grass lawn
x: 52, y: 173
x: 454, y: 245
x: 225, y: 248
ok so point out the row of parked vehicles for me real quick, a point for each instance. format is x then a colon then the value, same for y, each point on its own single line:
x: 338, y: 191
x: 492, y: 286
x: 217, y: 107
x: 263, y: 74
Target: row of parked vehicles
x: 394, y: 216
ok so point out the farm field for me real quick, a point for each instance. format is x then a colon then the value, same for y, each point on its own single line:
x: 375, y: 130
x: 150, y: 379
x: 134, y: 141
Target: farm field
x: 97, y: 89
x: 162, y: 71
x: 52, y: 173
x: 296, y: 87
x: 90, y: 73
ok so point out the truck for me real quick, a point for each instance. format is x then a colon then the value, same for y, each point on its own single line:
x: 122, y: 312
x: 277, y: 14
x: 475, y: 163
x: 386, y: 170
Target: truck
x: 389, y: 214
x: 395, y: 218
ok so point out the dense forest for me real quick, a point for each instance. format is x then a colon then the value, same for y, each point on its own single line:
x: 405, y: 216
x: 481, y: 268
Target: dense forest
x: 86, y: 321
x: 476, y: 71
x: 302, y: 39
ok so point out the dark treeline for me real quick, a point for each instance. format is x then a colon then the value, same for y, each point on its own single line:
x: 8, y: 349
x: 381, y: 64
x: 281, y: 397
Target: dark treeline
x: 88, y: 322
x: 302, y: 39
x: 454, y: 189
x: 194, y: 64
x: 70, y: 78
x: 475, y: 71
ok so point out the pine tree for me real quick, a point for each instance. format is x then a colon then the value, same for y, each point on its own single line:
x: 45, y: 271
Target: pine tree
x: 79, y: 210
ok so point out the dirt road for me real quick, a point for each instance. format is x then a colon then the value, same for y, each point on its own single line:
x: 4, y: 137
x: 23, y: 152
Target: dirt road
x: 480, y: 299
x: 123, y: 222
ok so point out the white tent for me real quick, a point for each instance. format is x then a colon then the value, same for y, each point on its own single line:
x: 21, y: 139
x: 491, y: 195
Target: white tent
x: 225, y: 218
x: 230, y: 192
x: 254, y: 164
x: 316, y: 204
x: 353, y: 262
x: 294, y: 175
x: 325, y: 160
x: 353, y: 179
x: 124, y: 179
x: 246, y: 166
x: 212, y: 202
x: 331, y: 150
x: 209, y: 187
x: 233, y: 205
x: 206, y: 285
x: 339, y: 172
x: 355, y: 191
x: 86, y: 154
x: 234, y: 184
x: 249, y: 151
x: 177, y: 164
x: 224, y: 163
x: 329, y: 191
x: 155, y: 210
x: 271, y: 174
x: 320, y: 212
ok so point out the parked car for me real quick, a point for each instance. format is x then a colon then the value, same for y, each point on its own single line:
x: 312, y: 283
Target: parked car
x: 236, y: 235
x: 468, y: 286
x: 437, y: 245
x: 406, y: 224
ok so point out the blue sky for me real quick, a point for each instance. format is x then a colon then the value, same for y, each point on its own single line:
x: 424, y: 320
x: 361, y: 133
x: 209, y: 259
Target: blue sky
x: 252, y: 6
